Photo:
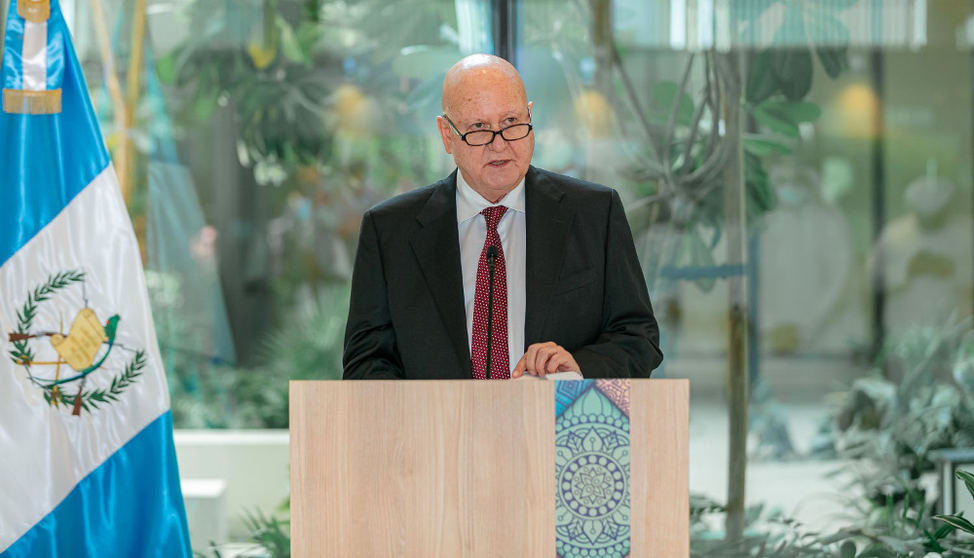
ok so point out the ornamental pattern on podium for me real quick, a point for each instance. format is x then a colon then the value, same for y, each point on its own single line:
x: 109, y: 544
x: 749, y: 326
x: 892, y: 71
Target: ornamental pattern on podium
x: 592, y: 513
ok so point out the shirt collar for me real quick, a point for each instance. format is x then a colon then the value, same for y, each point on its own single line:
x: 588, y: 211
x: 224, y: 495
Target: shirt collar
x: 470, y: 203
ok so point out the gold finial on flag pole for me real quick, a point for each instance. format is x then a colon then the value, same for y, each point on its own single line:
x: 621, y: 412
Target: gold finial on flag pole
x: 18, y: 101
x: 33, y: 96
x: 34, y: 11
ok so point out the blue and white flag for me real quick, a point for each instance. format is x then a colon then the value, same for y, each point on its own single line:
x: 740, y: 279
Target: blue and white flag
x: 87, y: 463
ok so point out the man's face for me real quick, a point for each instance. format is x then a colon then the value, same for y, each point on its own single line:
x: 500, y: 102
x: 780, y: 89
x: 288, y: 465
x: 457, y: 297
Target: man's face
x: 489, y: 101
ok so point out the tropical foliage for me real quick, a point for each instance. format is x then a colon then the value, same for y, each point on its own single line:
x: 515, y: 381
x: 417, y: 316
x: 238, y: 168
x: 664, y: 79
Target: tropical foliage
x: 918, y: 398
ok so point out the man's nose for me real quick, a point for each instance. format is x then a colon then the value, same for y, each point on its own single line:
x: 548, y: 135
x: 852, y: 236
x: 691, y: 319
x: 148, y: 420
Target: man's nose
x: 498, y: 143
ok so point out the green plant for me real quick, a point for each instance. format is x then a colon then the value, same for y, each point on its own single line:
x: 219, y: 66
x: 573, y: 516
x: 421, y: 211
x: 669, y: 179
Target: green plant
x: 707, y: 176
x: 684, y: 184
x: 307, y: 346
x: 278, y: 93
x: 919, y: 397
x: 309, y: 83
x: 270, y: 534
x: 957, y: 521
x: 767, y: 533
x: 326, y: 119
x: 894, y: 530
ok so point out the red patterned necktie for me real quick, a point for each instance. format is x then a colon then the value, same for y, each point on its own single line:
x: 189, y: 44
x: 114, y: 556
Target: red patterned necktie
x: 500, y: 364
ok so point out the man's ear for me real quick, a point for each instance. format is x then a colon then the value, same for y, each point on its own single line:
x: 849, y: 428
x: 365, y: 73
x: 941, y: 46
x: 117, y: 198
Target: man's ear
x: 445, y: 132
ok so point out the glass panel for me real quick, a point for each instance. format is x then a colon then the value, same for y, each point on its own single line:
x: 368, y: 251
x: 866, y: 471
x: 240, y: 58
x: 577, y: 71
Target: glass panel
x: 264, y: 129
x: 261, y: 131
x: 857, y: 243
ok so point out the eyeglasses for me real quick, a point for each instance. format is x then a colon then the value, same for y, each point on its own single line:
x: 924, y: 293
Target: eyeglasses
x: 477, y: 138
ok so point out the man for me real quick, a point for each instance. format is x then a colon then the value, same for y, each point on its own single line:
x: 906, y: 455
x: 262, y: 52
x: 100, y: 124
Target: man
x: 569, y: 294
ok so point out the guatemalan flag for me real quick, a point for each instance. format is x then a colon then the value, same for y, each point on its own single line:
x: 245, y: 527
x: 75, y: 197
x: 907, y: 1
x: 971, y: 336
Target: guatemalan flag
x: 87, y: 463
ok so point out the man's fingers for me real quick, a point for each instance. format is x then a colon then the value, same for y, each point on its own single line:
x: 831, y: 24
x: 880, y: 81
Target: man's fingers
x: 518, y: 369
x: 538, y: 363
x: 528, y: 359
x: 544, y: 358
x: 544, y: 354
x: 556, y: 362
x: 528, y: 362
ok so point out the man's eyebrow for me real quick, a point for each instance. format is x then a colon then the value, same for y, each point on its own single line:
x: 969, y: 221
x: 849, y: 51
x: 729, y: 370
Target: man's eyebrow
x: 509, y: 114
x: 513, y: 113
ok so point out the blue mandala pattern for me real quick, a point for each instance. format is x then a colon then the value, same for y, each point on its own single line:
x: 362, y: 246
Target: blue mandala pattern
x: 592, y: 474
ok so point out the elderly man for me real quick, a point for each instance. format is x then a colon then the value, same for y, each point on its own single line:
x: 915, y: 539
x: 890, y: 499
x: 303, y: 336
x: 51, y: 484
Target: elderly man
x: 568, y: 291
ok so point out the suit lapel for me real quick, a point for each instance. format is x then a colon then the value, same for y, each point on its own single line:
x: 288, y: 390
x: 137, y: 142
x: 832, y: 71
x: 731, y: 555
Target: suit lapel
x: 437, y: 247
x: 548, y: 224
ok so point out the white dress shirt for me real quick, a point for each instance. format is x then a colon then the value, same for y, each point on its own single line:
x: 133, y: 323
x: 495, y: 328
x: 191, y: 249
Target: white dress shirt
x: 512, y: 229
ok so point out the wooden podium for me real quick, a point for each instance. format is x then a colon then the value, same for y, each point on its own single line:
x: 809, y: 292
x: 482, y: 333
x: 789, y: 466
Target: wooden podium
x: 461, y: 468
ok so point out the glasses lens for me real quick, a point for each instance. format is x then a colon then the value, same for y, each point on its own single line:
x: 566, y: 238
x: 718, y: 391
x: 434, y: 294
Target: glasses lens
x: 479, y: 138
x: 515, y: 132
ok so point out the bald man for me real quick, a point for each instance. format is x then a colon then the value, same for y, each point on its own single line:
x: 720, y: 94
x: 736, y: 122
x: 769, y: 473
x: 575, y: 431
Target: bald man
x: 568, y: 292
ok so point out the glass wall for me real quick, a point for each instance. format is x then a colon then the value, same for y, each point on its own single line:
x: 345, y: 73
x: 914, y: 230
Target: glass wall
x: 858, y: 252
x: 260, y: 130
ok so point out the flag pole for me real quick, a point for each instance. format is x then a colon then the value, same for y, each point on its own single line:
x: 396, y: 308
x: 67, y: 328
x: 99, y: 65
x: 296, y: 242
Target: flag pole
x: 108, y: 61
x: 4, y: 6
x: 127, y: 174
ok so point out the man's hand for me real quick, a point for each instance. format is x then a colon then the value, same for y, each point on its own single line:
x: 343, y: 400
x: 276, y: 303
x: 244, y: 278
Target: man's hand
x: 545, y: 358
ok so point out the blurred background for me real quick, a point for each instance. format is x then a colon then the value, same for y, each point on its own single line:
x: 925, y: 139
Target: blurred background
x: 798, y: 179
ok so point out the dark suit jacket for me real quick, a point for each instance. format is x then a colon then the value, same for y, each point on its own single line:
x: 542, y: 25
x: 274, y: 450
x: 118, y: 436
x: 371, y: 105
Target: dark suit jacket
x: 585, y: 287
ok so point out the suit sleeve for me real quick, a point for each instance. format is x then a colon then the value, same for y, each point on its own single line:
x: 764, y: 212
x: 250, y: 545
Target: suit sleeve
x: 370, y: 340
x: 629, y: 343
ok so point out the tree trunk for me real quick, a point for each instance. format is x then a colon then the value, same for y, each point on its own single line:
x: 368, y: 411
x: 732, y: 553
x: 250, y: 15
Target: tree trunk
x: 735, y: 226
x: 602, y: 43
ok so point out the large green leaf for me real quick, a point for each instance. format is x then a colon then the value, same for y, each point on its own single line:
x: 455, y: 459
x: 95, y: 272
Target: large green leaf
x: 290, y: 46
x: 761, y: 80
x: 207, y: 94
x: 783, y: 117
x: 166, y: 68
x: 774, y: 121
x: 762, y: 146
x: 793, y: 69
x: 792, y: 65
x: 664, y: 93
x: 834, y: 60
x: 761, y: 197
x: 968, y: 479
x: 795, y: 112
x: 308, y: 34
x: 957, y: 522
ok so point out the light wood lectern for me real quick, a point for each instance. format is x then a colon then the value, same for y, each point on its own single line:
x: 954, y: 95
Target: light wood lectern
x: 461, y: 468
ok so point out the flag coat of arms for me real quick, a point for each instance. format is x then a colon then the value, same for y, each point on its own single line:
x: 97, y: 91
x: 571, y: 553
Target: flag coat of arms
x: 87, y: 463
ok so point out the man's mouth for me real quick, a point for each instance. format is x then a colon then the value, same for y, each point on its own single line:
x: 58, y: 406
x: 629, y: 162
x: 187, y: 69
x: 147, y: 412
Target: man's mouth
x: 499, y: 163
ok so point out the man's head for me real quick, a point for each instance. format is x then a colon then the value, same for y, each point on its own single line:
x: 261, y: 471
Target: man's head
x: 484, y: 92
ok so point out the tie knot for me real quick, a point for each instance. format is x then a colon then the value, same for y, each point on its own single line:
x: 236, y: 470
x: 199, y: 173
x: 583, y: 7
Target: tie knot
x: 493, y: 216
